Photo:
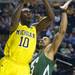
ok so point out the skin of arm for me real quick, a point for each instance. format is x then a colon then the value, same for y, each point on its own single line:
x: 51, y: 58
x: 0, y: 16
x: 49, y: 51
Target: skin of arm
x: 52, y: 48
x: 15, y: 17
x: 45, y: 22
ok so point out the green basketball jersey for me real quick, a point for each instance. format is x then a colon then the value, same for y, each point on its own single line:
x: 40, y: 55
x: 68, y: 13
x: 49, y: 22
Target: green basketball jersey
x: 43, y: 66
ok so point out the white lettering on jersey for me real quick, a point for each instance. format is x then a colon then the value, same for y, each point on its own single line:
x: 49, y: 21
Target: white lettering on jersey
x: 33, y: 65
x: 46, y: 71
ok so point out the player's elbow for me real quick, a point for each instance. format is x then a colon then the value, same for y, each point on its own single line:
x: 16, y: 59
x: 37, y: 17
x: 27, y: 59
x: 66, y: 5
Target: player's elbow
x: 51, y: 18
x: 62, y: 32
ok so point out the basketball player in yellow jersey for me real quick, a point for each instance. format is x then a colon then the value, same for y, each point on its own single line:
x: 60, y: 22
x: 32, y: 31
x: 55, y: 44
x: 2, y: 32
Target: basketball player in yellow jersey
x: 21, y: 44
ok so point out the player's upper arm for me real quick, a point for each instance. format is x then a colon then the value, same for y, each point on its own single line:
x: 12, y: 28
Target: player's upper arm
x: 56, y: 43
x: 15, y: 17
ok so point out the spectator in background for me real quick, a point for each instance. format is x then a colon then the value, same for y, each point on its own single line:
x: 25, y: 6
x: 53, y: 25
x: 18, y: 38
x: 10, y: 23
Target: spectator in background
x: 71, y: 49
x: 66, y: 38
x: 1, y: 51
x: 64, y: 49
x: 71, y: 18
x: 57, y: 18
x: 6, y: 21
x: 70, y: 38
x: 73, y: 37
x: 49, y: 32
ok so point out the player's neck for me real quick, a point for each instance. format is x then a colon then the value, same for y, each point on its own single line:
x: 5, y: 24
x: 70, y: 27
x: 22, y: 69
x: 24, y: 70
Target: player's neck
x: 25, y: 23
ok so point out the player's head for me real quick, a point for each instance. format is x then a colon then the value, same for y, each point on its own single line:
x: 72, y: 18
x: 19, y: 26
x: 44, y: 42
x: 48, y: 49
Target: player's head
x: 45, y: 41
x: 25, y: 16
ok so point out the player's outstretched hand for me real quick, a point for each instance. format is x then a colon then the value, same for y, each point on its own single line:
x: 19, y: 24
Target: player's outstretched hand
x: 65, y: 6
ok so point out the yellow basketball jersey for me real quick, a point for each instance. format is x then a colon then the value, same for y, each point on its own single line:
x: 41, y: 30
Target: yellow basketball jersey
x: 21, y: 44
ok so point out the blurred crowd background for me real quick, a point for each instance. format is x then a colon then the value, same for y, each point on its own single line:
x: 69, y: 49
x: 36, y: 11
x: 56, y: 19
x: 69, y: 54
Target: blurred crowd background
x: 65, y: 57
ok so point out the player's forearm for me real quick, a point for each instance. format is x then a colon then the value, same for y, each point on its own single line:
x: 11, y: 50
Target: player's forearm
x: 15, y: 16
x: 16, y: 13
x: 49, y: 10
x: 63, y: 24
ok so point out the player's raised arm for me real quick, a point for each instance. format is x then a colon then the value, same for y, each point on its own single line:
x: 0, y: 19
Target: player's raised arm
x: 62, y: 30
x: 45, y: 22
x: 49, y: 10
x: 15, y: 16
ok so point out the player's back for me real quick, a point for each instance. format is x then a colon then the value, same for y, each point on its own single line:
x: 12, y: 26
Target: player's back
x: 21, y: 44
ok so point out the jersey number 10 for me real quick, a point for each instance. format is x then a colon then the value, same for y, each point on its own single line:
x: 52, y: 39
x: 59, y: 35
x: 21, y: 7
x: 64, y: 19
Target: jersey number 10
x: 24, y: 42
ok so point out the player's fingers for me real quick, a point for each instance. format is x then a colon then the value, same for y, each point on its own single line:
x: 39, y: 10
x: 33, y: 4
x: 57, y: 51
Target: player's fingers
x: 65, y: 6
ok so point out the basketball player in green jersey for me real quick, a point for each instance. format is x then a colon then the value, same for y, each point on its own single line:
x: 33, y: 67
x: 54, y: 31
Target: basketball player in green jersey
x: 43, y: 64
